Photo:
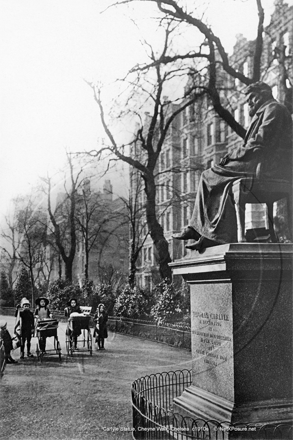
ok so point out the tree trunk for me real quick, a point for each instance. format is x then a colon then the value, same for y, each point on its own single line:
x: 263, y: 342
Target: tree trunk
x: 132, y: 269
x: 59, y: 266
x: 86, y: 266
x: 68, y: 271
x: 156, y: 230
x: 33, y: 287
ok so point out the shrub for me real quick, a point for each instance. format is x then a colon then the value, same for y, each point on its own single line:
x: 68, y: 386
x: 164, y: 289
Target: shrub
x: 23, y: 286
x: 6, y: 294
x: 133, y: 303
x: 60, y: 292
x: 172, y: 302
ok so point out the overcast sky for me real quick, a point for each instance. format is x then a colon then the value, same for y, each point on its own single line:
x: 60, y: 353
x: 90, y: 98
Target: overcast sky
x: 47, y: 49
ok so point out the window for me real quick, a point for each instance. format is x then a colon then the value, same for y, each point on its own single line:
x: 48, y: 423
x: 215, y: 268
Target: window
x: 224, y: 131
x: 184, y: 148
x: 168, y: 189
x: 245, y: 68
x: 184, y: 182
x: 218, y: 131
x: 162, y: 161
x: 210, y: 130
x: 162, y: 192
x: 195, y: 180
x: 274, y: 52
x: 168, y: 221
x: 168, y: 159
x: 241, y: 114
x: 145, y: 254
x: 236, y: 115
x: 246, y: 114
x: 194, y: 148
x: 191, y: 113
x: 149, y: 254
x: 185, y: 215
x: 184, y: 118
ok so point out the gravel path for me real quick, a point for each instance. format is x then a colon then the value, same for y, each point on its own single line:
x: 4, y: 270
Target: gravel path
x: 83, y: 397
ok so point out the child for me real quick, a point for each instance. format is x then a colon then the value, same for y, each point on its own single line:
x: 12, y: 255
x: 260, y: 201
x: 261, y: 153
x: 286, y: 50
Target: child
x: 101, y: 318
x: 73, y: 307
x: 27, y: 327
x: 7, y: 341
x: 42, y: 312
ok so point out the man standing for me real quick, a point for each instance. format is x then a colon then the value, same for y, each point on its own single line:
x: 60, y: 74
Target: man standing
x: 268, y: 141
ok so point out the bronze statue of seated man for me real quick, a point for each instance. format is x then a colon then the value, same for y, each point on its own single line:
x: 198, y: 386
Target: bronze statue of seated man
x: 268, y: 140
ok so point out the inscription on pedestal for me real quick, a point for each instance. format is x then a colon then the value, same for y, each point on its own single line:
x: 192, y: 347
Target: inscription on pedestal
x: 212, y: 341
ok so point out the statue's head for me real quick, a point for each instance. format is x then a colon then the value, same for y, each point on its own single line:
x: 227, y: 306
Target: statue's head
x: 257, y: 93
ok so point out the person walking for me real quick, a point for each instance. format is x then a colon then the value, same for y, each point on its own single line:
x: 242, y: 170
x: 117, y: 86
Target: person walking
x: 101, y: 331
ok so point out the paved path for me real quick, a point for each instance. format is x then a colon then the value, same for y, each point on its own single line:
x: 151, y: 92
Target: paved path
x: 82, y: 397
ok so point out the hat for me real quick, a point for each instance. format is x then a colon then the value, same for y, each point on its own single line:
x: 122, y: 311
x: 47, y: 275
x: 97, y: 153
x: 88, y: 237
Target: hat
x: 3, y: 324
x: 40, y: 298
x: 24, y: 301
x: 258, y: 87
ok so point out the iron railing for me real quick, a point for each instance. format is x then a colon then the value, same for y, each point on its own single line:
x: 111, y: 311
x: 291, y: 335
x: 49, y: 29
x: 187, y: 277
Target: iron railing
x: 172, y: 334
x: 154, y: 418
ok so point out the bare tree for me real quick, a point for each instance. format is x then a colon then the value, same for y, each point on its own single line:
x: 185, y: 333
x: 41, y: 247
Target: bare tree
x: 63, y: 217
x: 213, y: 58
x: 135, y: 218
x: 10, y: 250
x: 26, y: 239
x: 92, y: 217
x: 146, y: 88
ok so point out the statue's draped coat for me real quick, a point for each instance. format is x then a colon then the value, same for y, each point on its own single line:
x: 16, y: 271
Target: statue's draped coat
x: 268, y: 141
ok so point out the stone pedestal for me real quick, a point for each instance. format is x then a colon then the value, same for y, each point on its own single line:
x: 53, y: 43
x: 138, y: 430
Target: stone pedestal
x: 241, y: 323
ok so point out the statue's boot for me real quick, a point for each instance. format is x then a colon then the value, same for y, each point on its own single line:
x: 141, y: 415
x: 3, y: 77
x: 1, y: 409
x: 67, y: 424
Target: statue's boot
x: 188, y: 234
x: 201, y: 244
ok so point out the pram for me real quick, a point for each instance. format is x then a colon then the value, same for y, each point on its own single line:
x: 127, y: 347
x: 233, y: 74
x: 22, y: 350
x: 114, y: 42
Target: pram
x: 46, y: 329
x: 78, y: 332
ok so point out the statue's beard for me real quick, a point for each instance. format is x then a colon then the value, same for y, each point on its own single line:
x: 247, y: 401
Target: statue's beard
x: 253, y: 109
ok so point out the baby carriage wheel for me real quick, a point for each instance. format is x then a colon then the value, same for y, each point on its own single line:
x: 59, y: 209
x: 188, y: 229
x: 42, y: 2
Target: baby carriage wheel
x: 2, y: 359
x: 58, y: 349
x: 69, y: 348
x: 39, y: 353
x: 90, y: 342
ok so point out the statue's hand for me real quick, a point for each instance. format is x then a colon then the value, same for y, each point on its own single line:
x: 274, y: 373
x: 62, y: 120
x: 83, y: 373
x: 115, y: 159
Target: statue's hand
x: 225, y: 160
